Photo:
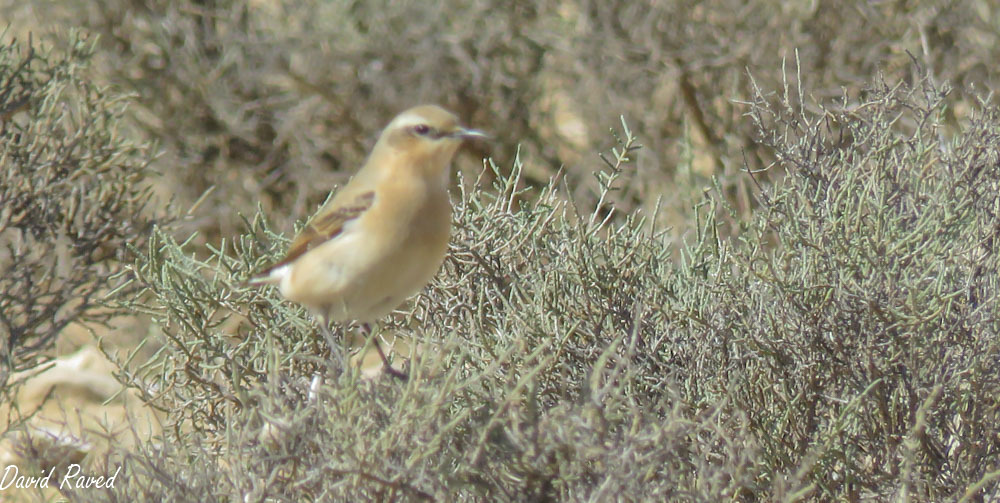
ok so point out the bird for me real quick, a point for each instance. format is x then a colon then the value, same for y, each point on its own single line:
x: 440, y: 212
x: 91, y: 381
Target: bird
x: 382, y: 236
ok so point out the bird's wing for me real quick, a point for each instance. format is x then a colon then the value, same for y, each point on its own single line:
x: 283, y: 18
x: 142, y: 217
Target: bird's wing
x: 326, y: 225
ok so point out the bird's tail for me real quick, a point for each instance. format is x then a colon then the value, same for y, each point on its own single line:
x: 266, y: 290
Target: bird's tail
x: 267, y: 277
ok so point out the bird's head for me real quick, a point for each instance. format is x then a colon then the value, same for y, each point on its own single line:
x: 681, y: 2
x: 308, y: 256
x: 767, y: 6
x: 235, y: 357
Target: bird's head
x: 427, y: 135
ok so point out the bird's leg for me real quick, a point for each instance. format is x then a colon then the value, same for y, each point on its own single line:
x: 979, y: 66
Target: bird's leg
x: 367, y: 329
x: 336, y: 351
x: 336, y: 355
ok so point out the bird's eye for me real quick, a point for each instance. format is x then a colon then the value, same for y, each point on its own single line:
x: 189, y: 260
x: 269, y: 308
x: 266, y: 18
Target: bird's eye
x: 422, y: 129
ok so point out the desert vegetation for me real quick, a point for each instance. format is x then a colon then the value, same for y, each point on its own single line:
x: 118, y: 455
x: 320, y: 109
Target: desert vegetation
x: 715, y: 251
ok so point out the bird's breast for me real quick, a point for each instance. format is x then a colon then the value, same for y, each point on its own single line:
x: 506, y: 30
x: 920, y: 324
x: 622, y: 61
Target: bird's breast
x: 400, y: 246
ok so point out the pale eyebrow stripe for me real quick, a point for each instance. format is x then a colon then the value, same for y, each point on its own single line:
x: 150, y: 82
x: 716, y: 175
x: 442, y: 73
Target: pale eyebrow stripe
x: 408, y: 120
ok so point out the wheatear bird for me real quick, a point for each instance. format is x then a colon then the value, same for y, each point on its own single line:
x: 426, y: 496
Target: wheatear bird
x: 383, y: 236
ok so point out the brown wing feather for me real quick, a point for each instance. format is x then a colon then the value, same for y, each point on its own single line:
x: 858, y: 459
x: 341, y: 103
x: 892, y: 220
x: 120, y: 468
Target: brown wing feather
x: 323, y: 227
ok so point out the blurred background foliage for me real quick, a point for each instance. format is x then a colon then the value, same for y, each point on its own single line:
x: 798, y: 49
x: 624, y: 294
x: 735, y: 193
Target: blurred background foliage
x: 74, y: 192
x: 788, y: 292
x: 275, y: 102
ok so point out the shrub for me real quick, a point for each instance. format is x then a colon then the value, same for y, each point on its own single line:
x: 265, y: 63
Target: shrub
x: 72, y: 194
x: 843, y: 346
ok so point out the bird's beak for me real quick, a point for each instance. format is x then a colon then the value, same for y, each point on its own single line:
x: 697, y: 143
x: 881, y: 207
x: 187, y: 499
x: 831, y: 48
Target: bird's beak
x: 468, y: 134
